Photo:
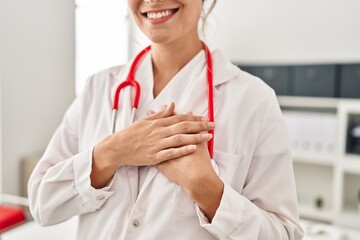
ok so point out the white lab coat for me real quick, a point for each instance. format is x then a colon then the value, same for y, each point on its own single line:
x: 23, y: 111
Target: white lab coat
x: 251, y: 150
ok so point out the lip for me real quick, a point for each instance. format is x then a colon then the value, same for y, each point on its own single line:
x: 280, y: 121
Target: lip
x: 160, y: 20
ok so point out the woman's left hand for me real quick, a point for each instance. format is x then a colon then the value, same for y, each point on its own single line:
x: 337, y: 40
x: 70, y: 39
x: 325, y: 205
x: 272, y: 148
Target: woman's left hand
x: 195, y: 174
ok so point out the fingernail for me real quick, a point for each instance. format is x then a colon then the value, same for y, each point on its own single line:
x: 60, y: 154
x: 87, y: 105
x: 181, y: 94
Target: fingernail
x: 206, y: 135
x: 164, y: 107
x: 191, y: 147
x: 150, y: 113
x: 211, y: 124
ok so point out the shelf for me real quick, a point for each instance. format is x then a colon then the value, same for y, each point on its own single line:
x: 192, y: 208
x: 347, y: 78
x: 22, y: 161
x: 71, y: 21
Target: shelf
x: 32, y: 230
x: 320, y: 231
x: 324, y: 170
x: 350, y: 105
x: 14, y: 200
x: 319, y: 102
x: 351, y: 164
x: 308, y: 102
x: 310, y: 212
x: 310, y: 158
x: 349, y: 219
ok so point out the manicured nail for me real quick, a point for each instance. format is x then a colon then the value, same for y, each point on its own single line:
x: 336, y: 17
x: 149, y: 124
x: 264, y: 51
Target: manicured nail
x: 191, y: 147
x: 150, y: 113
x: 206, y: 135
x: 204, y: 119
x: 164, y: 107
x: 211, y: 124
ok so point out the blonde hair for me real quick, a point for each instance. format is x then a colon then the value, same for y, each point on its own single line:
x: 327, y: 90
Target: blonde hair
x: 211, y: 8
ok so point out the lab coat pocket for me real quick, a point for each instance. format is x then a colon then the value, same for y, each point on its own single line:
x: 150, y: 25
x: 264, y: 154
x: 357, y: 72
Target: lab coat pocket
x: 228, y: 165
x: 183, y: 205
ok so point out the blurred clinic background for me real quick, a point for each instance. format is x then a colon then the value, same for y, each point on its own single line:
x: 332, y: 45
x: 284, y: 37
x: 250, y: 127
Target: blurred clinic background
x: 307, y: 50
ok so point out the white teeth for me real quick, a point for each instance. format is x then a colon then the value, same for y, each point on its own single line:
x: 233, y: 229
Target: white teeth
x: 159, y: 14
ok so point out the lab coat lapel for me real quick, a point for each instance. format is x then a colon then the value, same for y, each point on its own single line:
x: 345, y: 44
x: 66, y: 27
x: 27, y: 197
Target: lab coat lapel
x: 189, y: 82
x: 189, y: 88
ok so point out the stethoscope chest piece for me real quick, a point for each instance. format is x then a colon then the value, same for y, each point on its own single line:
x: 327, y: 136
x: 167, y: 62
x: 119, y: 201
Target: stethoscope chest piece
x: 215, y: 166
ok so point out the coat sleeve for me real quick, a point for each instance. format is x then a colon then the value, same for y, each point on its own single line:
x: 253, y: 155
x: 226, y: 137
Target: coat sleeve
x: 59, y: 187
x: 267, y: 207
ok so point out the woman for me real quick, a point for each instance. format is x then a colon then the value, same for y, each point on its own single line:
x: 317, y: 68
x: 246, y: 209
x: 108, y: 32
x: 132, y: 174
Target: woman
x: 154, y: 179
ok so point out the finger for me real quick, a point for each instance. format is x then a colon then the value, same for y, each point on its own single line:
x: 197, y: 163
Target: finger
x: 169, y: 110
x: 181, y: 118
x: 154, y: 115
x: 184, y: 140
x: 165, y: 112
x: 150, y: 112
x: 151, y: 115
x: 172, y: 153
x: 187, y: 127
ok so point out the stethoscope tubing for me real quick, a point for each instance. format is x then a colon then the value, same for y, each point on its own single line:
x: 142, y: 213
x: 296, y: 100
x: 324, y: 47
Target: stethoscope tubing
x: 211, y: 114
x: 130, y: 81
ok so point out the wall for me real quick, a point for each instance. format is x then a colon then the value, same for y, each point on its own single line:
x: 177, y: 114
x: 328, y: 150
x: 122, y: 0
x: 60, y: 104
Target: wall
x: 101, y: 37
x: 0, y: 121
x: 288, y: 31
x: 37, y: 60
x: 282, y: 31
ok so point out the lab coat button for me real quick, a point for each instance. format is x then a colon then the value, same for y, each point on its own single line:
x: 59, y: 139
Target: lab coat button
x: 100, y: 197
x: 136, y: 224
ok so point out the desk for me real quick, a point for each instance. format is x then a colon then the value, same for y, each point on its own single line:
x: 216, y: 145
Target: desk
x: 320, y: 231
x: 30, y: 230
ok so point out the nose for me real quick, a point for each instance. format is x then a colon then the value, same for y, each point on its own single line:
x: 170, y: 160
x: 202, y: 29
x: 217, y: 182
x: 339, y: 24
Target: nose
x: 154, y: 1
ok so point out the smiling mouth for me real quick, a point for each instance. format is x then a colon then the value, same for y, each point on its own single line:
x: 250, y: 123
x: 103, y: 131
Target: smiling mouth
x: 160, y: 14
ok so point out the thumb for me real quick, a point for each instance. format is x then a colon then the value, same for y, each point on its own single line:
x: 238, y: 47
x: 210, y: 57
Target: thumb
x: 169, y: 110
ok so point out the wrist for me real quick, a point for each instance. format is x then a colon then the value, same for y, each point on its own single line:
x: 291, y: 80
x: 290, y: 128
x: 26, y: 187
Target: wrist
x: 207, y: 188
x: 207, y: 192
x: 101, y: 170
x: 102, y: 158
x: 106, y: 155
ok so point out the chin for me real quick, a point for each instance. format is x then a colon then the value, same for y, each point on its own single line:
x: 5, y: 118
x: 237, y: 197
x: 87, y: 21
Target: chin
x: 160, y: 39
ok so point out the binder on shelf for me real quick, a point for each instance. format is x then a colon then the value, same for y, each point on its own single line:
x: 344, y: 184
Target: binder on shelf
x: 350, y: 81
x: 311, y: 81
x: 330, y: 135
x: 312, y: 134
x: 353, y: 135
x: 277, y: 77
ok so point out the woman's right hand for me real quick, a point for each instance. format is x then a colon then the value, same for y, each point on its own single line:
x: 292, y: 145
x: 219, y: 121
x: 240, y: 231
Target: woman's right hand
x: 154, y: 139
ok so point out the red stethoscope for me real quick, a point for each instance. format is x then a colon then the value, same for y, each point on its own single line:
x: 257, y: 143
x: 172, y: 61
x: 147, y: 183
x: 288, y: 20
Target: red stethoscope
x: 130, y: 81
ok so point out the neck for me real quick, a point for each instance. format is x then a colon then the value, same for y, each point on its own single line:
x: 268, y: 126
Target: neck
x: 174, y: 55
x: 170, y: 58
